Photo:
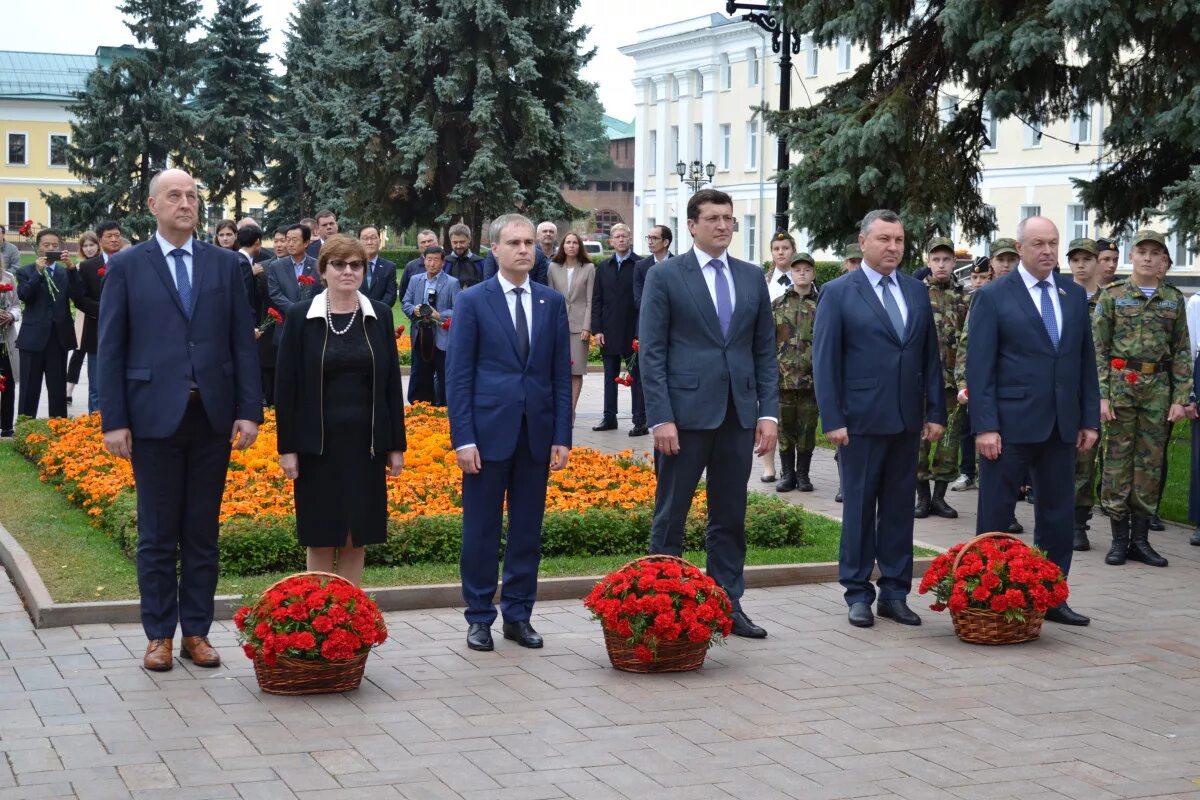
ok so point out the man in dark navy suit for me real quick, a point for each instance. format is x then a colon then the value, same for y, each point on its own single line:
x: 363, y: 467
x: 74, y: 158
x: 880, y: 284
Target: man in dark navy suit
x: 508, y: 380
x: 379, y: 279
x: 878, y: 380
x: 47, y: 287
x: 179, y: 382
x: 1035, y: 395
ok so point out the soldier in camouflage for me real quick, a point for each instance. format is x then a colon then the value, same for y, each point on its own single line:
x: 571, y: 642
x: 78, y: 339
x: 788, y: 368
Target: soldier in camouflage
x: 938, y: 461
x: 1081, y: 257
x: 794, y: 313
x: 1145, y: 369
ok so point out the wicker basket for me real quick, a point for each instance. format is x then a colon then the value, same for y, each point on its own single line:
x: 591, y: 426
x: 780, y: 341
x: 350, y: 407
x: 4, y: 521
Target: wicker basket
x: 296, y: 676
x: 678, y: 656
x: 978, y: 626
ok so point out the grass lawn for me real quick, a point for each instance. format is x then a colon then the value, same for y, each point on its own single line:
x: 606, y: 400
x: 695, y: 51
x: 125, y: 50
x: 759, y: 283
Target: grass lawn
x: 79, y: 563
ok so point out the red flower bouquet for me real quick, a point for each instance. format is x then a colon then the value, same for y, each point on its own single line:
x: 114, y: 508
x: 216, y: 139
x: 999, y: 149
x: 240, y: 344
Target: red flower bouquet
x: 997, y: 588
x: 273, y: 318
x: 6, y: 287
x: 660, y: 614
x: 310, y: 633
x: 26, y: 228
x: 306, y: 280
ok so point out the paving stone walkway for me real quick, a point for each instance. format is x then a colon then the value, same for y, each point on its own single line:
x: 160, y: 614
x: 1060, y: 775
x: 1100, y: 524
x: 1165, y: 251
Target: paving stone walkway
x: 818, y: 710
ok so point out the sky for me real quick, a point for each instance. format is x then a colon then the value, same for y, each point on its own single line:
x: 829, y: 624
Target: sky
x: 82, y: 25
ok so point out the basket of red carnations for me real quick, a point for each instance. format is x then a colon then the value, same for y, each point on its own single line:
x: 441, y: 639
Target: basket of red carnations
x: 997, y: 588
x: 310, y: 633
x: 660, y: 614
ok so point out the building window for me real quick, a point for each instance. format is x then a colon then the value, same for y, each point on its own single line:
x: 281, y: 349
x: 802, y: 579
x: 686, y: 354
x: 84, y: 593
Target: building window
x: 16, y: 148
x: 650, y: 223
x: 947, y: 108
x: 1033, y: 135
x: 726, y: 72
x: 843, y: 55
x: 1077, y: 221
x: 991, y: 131
x: 255, y: 213
x: 674, y: 145
x: 1081, y: 126
x: 810, y: 57
x: 652, y: 153
x: 1181, y: 254
x: 16, y: 214
x: 751, y: 233
x: 58, y: 149
x: 674, y: 226
x: 726, y: 138
x: 752, y: 67
x: 1030, y: 211
x: 752, y: 145
x: 605, y: 219
x: 698, y: 141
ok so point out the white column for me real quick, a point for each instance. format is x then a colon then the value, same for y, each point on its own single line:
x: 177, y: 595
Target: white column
x: 639, y: 159
x: 662, y: 169
x: 709, y: 113
x: 682, y: 192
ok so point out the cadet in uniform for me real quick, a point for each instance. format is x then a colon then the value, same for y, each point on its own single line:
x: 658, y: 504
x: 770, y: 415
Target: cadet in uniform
x: 1081, y: 257
x: 1156, y: 524
x: 1145, y: 369
x: 794, y: 313
x: 1107, y: 258
x: 981, y: 275
x: 783, y: 247
x: 949, y: 313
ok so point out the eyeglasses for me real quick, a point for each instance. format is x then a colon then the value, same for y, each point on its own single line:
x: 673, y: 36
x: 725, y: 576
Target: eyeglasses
x: 654, y: 238
x: 341, y: 266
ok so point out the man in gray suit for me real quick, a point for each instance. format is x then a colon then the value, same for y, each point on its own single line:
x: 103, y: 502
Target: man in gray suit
x: 707, y: 354
x: 284, y: 284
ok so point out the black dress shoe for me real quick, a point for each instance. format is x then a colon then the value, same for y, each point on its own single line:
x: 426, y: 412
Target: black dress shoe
x: 639, y: 430
x: 1156, y: 524
x: 1016, y: 527
x: 522, y: 633
x: 860, y: 615
x: 744, y: 627
x: 606, y: 425
x: 837, y: 498
x: 479, y: 636
x: 1063, y: 615
x: 1195, y: 540
x: 897, y: 610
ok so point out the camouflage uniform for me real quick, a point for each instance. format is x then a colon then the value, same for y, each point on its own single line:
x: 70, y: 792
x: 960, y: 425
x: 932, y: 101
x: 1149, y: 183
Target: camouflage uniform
x: 1150, y: 336
x: 794, y: 317
x: 949, y: 317
x: 1085, y: 463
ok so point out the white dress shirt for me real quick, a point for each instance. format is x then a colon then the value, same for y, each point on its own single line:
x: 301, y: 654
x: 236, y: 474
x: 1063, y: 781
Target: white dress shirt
x: 774, y: 288
x: 1192, y: 310
x: 894, y: 287
x: 1035, y: 294
x: 167, y: 247
x: 710, y: 275
x: 510, y: 297
x: 570, y: 276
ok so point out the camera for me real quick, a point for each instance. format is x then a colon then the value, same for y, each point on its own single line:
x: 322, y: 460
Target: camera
x: 425, y: 310
x: 53, y: 255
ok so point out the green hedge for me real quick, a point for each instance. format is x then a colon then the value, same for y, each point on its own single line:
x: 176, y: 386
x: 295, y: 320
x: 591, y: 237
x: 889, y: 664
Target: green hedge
x: 250, y: 547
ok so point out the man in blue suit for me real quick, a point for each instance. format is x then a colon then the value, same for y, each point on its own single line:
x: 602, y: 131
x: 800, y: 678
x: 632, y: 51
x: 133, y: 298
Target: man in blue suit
x: 179, y: 382
x: 379, y: 278
x: 508, y: 380
x: 292, y: 278
x: 878, y: 380
x: 1035, y: 396
x: 47, y: 287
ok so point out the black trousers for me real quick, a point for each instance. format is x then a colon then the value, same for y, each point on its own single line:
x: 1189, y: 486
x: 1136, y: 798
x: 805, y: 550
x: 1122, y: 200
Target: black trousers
x: 612, y: 369
x: 50, y: 364
x: 8, y: 398
x: 180, y: 481
x: 726, y: 453
x: 966, y: 446
x: 75, y: 366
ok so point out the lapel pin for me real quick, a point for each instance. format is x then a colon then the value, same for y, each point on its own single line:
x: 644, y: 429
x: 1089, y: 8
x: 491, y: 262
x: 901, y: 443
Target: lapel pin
x: 1061, y: 292
x: 541, y: 301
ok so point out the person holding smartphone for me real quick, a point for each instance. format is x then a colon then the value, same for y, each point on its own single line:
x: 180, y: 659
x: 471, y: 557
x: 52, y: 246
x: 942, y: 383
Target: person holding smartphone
x: 47, y: 287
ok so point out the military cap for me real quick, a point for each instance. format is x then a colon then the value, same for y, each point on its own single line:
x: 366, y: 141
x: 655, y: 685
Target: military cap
x: 981, y: 266
x: 940, y: 241
x: 1086, y: 245
x: 783, y: 236
x: 1003, y: 246
x: 805, y: 257
x: 1106, y: 244
x: 1147, y: 235
x: 852, y: 250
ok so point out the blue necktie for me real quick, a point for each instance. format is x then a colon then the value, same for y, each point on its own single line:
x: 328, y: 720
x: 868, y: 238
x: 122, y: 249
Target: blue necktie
x: 1048, y: 313
x: 370, y: 269
x: 891, y: 306
x: 182, y: 282
x: 724, y: 301
x: 522, y: 326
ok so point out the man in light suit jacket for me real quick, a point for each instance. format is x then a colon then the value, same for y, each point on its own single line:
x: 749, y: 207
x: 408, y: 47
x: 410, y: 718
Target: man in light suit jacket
x: 878, y: 380
x: 508, y: 376
x: 284, y: 287
x: 1035, y: 395
x: 179, y: 382
x: 379, y: 279
x: 712, y: 390
x: 429, y: 303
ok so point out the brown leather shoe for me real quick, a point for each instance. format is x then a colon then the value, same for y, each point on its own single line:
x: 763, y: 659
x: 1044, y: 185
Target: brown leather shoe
x: 158, y: 656
x: 199, y: 651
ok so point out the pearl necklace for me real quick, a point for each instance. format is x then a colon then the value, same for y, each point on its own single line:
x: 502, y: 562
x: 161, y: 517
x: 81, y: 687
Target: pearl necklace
x: 329, y: 320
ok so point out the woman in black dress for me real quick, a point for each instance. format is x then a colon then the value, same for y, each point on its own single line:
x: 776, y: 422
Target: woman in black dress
x: 340, y: 413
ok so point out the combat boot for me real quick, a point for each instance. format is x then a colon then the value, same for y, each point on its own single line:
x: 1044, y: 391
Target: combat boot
x: 787, y: 471
x: 938, y: 504
x: 1156, y: 524
x: 921, y: 510
x: 1081, y: 542
x: 1139, y: 544
x: 1120, y: 542
x: 803, y: 463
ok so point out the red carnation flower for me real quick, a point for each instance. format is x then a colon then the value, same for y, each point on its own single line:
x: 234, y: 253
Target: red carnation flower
x: 1131, y: 377
x: 249, y: 650
x: 6, y: 287
x: 635, y: 345
x: 399, y: 331
x: 101, y: 272
x: 1118, y: 363
x: 275, y: 315
x: 306, y: 280
x: 446, y: 324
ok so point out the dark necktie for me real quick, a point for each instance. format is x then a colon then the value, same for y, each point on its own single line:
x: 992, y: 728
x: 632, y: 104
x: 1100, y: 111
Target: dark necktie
x: 370, y: 269
x: 1048, y: 313
x: 891, y: 306
x: 724, y: 300
x: 522, y: 325
x: 182, y: 282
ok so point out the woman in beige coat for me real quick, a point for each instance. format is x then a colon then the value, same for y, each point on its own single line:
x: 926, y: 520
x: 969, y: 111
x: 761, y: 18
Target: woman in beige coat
x: 10, y: 317
x: 573, y: 275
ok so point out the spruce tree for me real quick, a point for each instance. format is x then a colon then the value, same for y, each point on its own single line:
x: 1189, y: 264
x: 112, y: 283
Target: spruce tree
x: 133, y: 117
x: 235, y: 96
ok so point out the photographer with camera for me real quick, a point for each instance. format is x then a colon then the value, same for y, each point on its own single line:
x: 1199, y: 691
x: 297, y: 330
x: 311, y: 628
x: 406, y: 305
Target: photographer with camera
x: 47, y: 287
x: 429, y: 302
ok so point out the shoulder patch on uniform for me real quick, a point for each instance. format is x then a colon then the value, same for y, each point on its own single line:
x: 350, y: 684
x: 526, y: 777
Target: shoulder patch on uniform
x: 1128, y: 301
x: 1167, y: 304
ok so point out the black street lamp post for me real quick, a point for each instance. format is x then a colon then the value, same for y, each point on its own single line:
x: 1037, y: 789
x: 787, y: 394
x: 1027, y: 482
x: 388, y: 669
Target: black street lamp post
x: 695, y: 175
x: 785, y: 42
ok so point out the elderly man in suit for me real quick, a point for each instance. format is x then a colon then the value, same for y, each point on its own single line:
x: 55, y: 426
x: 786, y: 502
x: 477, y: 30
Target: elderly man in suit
x: 47, y: 287
x: 1035, y: 395
x: 614, y: 327
x: 179, y: 382
x: 878, y: 380
x: 293, y: 278
x: 712, y: 390
x: 508, y: 378
x: 379, y: 279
